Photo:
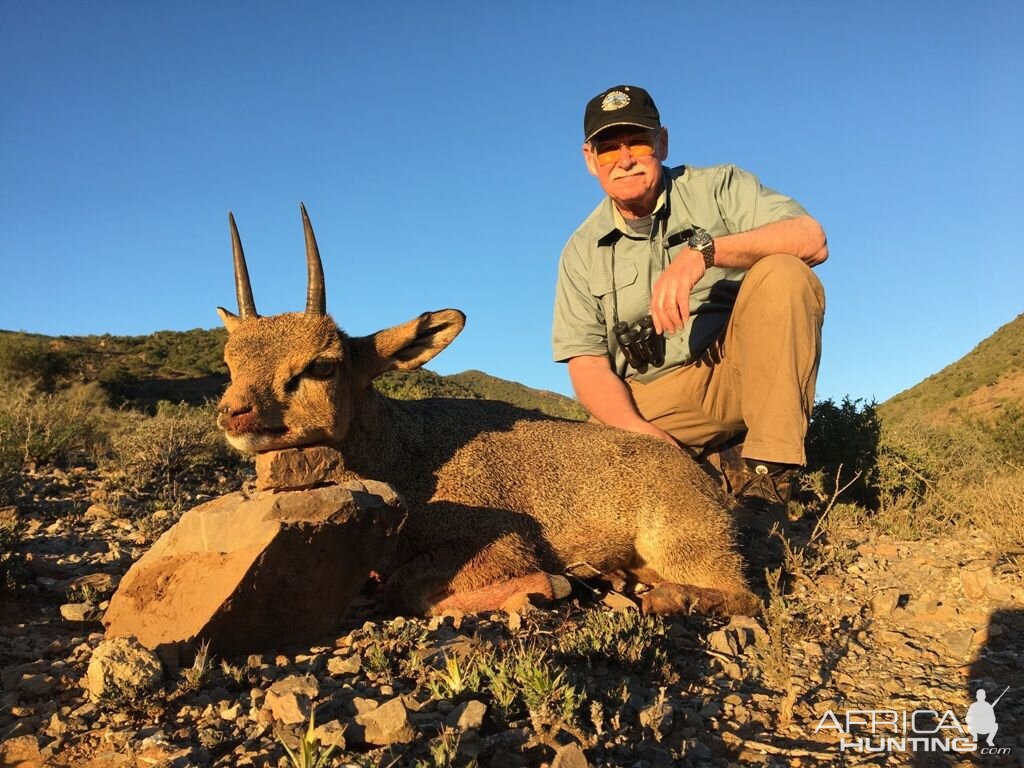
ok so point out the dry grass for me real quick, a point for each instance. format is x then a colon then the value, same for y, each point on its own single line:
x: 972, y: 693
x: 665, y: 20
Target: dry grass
x: 998, y: 512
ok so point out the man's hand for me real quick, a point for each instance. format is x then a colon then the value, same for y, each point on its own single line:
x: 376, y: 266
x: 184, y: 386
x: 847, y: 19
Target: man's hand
x: 657, y: 432
x: 608, y: 399
x: 670, y: 300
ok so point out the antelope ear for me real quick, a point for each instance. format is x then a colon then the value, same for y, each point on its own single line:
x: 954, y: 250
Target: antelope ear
x: 407, y: 346
x: 230, y: 320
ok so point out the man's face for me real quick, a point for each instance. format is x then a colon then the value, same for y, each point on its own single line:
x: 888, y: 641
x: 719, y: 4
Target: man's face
x: 627, y: 162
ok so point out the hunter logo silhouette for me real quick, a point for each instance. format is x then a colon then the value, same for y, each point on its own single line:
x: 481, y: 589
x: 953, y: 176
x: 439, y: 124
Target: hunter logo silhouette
x: 981, y: 716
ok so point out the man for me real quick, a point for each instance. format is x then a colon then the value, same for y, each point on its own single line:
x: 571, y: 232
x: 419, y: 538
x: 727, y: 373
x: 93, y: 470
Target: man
x: 722, y: 266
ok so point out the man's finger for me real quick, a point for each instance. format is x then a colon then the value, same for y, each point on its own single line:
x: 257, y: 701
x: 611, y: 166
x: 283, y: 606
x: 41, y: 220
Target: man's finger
x: 667, y: 307
x: 656, y: 312
x: 673, y: 317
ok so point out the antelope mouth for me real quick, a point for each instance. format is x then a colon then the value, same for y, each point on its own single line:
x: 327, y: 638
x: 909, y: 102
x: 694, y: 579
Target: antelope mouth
x: 258, y: 432
x: 259, y: 440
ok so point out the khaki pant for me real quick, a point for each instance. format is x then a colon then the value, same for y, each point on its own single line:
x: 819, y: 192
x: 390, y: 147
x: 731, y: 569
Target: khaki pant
x: 761, y: 378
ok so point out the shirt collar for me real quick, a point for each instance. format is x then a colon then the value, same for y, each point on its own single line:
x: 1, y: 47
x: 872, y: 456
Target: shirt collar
x: 611, y: 224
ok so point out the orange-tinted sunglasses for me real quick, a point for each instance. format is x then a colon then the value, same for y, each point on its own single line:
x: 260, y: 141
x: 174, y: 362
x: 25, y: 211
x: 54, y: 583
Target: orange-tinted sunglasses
x: 639, y: 145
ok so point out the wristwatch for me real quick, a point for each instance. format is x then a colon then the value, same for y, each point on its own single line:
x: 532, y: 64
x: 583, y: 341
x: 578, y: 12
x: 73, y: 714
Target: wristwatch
x: 703, y: 242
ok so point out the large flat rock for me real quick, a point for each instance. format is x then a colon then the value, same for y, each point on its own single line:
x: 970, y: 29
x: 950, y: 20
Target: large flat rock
x: 250, y: 574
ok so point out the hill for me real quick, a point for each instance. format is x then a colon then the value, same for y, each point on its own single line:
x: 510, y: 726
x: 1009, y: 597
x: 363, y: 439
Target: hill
x: 187, y: 366
x: 493, y: 388
x: 988, y: 375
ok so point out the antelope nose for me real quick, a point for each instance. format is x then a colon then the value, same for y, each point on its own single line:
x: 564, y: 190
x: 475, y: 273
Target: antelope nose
x: 233, y: 409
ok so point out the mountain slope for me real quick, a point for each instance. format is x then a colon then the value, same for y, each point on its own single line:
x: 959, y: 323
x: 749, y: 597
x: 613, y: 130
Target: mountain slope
x: 991, y: 373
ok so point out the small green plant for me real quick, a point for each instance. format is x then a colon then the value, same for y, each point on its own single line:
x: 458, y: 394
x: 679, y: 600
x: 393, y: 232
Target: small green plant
x: 626, y: 638
x: 444, y: 750
x: 194, y: 676
x: 378, y: 662
x: 12, y: 567
x: 84, y: 593
x: 137, y: 702
x: 232, y: 672
x: 309, y: 753
x: 499, y: 679
x: 455, y: 678
x: 772, y: 655
x: 548, y: 697
x: 393, y: 651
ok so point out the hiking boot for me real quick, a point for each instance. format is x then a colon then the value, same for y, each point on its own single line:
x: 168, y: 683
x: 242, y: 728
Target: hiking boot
x: 727, y: 466
x: 769, y: 482
x: 762, y: 490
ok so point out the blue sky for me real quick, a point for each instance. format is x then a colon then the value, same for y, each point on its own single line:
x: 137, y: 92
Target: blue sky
x: 437, y: 148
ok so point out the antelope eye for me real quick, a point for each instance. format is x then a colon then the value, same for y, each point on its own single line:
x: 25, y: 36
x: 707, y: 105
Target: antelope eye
x: 320, y: 369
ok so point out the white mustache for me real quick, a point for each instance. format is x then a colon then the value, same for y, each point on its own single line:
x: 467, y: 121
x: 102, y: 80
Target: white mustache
x: 618, y: 173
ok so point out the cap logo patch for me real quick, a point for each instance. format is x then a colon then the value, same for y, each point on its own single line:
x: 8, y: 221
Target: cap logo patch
x: 614, y: 100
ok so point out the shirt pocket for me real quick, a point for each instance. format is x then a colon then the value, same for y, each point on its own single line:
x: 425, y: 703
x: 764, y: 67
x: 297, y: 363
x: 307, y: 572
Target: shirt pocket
x: 603, y: 284
x: 621, y: 297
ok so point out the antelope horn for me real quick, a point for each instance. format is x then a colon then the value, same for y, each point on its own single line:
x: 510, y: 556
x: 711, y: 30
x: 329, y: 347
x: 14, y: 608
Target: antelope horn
x: 316, y: 295
x: 246, y: 306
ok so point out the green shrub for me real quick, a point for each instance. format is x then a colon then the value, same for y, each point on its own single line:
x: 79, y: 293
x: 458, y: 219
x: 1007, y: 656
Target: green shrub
x: 180, y: 447
x: 1007, y: 431
x: 24, y: 358
x: 197, y: 352
x: 61, y: 428
x: 118, y: 381
x: 918, y: 477
x: 931, y: 466
x: 845, y: 435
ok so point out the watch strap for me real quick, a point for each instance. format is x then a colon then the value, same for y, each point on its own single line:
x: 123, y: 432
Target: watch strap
x: 702, y: 242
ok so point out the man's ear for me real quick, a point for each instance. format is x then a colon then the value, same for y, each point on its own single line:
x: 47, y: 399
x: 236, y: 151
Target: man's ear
x: 662, y: 148
x: 588, y: 158
x: 407, y: 346
x: 230, y: 320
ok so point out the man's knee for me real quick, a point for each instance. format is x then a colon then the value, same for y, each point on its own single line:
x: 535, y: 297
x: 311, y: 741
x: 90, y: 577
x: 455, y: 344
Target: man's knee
x: 781, y: 273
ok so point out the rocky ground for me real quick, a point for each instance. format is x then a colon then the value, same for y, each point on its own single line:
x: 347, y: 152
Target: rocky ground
x: 861, y: 623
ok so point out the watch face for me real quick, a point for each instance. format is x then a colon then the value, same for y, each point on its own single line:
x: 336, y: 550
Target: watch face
x: 700, y: 241
x: 705, y: 244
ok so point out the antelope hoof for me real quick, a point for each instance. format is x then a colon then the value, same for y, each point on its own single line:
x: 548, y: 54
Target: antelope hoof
x: 668, y: 599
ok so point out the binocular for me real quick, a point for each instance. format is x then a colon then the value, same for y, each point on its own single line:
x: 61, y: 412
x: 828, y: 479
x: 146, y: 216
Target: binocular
x: 641, y: 345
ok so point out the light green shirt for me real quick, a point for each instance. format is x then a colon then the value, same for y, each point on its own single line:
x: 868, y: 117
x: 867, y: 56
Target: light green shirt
x: 607, y: 271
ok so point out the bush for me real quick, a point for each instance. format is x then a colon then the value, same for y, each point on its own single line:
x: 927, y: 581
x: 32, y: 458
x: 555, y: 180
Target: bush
x: 932, y: 471
x: 998, y: 512
x: 118, y: 382
x: 160, y: 455
x: 61, y: 428
x: 24, y: 358
x: 919, y: 478
x: 845, y: 435
x: 1007, y: 431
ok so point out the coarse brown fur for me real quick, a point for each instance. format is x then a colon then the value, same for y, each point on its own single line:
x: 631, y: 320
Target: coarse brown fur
x: 495, y: 493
